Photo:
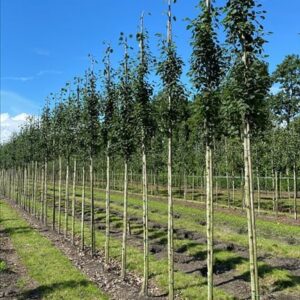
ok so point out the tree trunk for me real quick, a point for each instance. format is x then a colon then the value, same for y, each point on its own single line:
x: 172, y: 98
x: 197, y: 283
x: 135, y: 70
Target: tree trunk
x: 258, y: 191
x: 125, y: 221
x: 46, y: 198
x: 93, y: 245
x: 276, y: 193
x: 42, y: 196
x: 295, y: 192
x: 107, y: 206
x: 252, y: 207
x: 67, y: 199
x: 209, y: 217
x: 35, y: 188
x: 82, y: 208
x: 54, y: 196
x: 249, y: 209
x: 73, y: 202
x: 59, y: 194
x: 145, y: 222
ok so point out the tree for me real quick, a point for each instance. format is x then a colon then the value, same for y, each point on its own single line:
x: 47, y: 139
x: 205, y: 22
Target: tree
x: 109, y: 104
x: 286, y: 104
x: 91, y: 129
x: 142, y: 93
x: 125, y: 134
x: 245, y: 35
x: 206, y: 71
x: 170, y: 70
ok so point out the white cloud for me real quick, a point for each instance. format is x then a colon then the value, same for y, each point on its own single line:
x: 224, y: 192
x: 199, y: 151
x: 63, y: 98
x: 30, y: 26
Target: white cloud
x: 10, y: 124
x: 16, y: 104
x: 41, y: 52
x: 28, y: 78
x: 45, y: 72
x: 18, y: 78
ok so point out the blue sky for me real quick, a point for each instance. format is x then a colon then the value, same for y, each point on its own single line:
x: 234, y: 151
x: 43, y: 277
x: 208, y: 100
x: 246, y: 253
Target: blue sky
x: 45, y: 43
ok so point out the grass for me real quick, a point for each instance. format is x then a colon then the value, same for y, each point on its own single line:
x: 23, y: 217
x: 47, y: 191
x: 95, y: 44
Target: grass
x: 229, y: 228
x: 188, y: 286
x: 3, y: 266
x: 55, y: 275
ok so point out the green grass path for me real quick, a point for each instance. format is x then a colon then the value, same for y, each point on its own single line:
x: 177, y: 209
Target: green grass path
x: 57, y: 278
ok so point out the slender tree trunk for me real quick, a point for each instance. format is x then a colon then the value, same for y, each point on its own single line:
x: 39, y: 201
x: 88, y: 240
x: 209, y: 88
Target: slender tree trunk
x: 276, y: 193
x: 42, y: 196
x: 46, y: 198
x: 73, y: 202
x: 170, y: 221
x: 54, y: 196
x: 258, y: 191
x: 107, y: 206
x: 209, y: 217
x: 185, y: 185
x: 125, y: 221
x: 59, y: 194
x: 145, y: 222
x: 67, y: 199
x: 82, y: 208
x: 252, y: 207
x: 249, y: 209
x: 93, y: 244
x: 295, y: 192
x: 35, y: 187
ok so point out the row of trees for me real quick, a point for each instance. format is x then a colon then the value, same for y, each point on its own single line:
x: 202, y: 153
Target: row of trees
x: 119, y: 121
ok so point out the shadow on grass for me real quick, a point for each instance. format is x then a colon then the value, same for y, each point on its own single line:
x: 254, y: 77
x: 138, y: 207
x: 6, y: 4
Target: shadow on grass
x: 45, y: 290
x: 15, y: 230
x: 289, y: 281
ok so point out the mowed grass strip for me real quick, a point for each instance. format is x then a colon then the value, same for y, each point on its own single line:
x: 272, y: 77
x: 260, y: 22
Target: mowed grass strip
x: 187, y: 286
x: 46, y: 265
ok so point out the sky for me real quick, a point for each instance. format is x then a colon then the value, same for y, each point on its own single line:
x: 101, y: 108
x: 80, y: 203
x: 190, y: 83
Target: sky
x: 46, y: 43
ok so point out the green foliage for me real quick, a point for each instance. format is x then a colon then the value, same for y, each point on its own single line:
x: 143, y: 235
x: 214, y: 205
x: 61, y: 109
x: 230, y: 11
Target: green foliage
x: 286, y: 103
x: 207, y: 67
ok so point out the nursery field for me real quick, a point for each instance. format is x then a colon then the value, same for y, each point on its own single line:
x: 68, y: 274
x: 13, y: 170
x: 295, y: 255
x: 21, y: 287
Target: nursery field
x: 161, y: 172
x: 278, y: 241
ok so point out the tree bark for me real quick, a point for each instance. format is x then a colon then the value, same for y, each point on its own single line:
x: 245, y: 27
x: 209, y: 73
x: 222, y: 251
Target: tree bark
x: 59, y: 194
x: 93, y: 241
x: 82, y: 208
x: 249, y: 209
x: 209, y: 217
x: 107, y: 206
x: 295, y: 192
x: 46, y: 191
x: 67, y: 200
x: 54, y: 196
x: 125, y: 221
x: 73, y: 202
x: 145, y: 222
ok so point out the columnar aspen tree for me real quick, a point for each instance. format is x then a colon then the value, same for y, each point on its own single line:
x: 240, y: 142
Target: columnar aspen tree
x: 125, y: 134
x: 245, y: 35
x: 58, y: 127
x: 46, y: 144
x: 206, y: 71
x: 170, y: 69
x: 142, y: 93
x: 91, y: 133
x: 110, y: 98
